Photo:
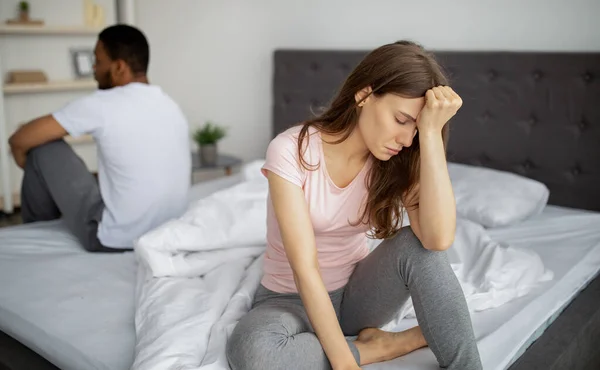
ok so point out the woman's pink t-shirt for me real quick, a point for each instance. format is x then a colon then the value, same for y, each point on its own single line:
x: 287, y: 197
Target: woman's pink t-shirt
x: 340, y: 246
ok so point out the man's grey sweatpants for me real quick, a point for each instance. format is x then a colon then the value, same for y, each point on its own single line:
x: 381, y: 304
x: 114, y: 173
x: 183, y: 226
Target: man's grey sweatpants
x: 57, y: 184
x: 276, y: 333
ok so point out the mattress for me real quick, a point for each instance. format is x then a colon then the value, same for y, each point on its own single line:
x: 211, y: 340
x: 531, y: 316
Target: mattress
x: 76, y: 309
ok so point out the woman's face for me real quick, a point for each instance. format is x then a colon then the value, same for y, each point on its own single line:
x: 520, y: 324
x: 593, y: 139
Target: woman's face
x: 388, y: 123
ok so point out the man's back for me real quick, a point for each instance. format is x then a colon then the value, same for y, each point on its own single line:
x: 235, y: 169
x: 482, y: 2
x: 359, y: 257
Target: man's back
x: 143, y: 152
x: 143, y: 157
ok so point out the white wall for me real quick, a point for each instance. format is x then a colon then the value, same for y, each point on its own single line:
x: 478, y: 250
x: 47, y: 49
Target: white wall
x: 49, y: 53
x: 215, y: 56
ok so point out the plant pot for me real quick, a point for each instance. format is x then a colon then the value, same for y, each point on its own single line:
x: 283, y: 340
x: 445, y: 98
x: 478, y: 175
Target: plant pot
x: 208, y: 155
x: 24, y: 16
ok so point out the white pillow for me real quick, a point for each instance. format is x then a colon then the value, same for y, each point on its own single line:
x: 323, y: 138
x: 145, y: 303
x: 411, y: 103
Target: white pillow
x: 495, y: 198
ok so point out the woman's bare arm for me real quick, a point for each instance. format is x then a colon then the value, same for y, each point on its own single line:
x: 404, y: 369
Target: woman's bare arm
x: 434, y: 221
x: 435, y: 218
x: 297, y: 233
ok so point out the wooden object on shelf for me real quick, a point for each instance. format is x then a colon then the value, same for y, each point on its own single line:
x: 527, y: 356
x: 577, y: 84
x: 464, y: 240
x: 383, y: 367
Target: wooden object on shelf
x: 48, y: 30
x: 26, y: 23
x: 67, y: 85
x: 83, y: 139
x: 24, y: 76
x: 94, y: 15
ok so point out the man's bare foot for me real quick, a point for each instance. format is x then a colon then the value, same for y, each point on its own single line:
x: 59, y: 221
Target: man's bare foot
x: 375, y: 345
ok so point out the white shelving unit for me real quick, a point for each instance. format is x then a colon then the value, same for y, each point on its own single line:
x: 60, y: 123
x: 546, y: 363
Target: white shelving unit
x: 46, y: 30
x: 8, y: 199
x: 123, y: 13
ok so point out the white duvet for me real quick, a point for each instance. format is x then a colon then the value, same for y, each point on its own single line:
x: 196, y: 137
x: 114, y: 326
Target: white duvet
x: 197, y: 276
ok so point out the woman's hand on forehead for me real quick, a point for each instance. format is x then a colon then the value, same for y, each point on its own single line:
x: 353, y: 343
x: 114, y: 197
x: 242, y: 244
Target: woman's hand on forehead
x: 441, y: 104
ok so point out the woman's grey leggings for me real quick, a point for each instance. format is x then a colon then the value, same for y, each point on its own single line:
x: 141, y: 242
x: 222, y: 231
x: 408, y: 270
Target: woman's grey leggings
x: 276, y: 333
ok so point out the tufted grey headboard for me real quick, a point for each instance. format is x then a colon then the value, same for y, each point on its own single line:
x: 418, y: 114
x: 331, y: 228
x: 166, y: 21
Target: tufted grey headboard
x: 535, y: 114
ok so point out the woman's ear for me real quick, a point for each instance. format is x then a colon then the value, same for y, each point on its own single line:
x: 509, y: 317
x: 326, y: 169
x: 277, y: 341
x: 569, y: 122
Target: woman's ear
x: 363, y: 95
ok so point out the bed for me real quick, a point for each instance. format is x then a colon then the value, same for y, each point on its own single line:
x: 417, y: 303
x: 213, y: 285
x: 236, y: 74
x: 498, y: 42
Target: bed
x: 63, y: 308
x: 73, y: 310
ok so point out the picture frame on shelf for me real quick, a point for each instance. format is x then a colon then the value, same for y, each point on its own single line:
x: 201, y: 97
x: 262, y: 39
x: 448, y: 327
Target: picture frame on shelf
x: 83, y: 62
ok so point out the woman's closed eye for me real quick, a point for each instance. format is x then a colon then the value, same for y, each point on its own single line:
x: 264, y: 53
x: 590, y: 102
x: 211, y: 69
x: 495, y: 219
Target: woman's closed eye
x: 402, y: 122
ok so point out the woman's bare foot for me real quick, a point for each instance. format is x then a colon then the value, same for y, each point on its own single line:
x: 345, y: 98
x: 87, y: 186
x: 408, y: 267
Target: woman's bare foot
x: 375, y: 345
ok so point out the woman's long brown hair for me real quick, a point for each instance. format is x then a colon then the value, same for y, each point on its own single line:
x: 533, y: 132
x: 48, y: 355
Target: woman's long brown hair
x: 403, y: 68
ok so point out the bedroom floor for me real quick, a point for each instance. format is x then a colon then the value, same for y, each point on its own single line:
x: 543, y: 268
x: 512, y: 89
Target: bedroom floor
x: 10, y: 220
x: 15, y: 356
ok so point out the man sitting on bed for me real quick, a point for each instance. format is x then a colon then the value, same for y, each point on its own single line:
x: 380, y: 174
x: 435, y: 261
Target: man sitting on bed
x: 143, y: 153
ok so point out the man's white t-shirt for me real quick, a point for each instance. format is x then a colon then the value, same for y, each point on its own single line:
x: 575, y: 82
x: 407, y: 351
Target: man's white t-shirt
x: 144, y: 159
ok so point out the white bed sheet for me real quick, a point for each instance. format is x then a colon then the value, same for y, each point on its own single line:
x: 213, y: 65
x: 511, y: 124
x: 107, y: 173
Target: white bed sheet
x: 76, y: 309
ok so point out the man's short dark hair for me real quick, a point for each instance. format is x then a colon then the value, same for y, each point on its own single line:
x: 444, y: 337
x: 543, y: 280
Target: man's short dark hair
x: 128, y: 44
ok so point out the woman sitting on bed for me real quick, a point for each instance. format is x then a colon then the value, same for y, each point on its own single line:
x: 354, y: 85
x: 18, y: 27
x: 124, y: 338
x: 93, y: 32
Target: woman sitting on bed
x: 377, y: 150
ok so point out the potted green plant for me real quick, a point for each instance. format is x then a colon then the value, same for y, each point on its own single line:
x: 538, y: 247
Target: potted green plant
x: 207, y: 138
x: 24, y: 11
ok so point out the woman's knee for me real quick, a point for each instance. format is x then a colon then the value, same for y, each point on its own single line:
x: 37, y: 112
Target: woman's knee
x: 408, y: 247
x: 249, y: 347
x: 239, y: 350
